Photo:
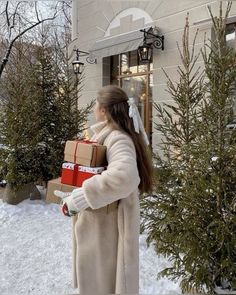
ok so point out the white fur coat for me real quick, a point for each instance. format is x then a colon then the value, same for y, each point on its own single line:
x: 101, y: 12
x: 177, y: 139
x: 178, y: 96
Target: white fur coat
x: 106, y: 245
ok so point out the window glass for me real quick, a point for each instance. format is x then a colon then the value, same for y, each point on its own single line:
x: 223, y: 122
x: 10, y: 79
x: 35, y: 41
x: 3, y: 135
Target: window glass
x: 142, y: 66
x: 136, y: 87
x: 230, y: 35
x: 115, y: 66
x: 231, y: 42
x: 133, y: 62
x: 135, y: 78
x: 124, y: 63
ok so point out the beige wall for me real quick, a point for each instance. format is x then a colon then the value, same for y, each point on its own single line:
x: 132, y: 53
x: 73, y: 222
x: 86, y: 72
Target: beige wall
x: 91, y: 20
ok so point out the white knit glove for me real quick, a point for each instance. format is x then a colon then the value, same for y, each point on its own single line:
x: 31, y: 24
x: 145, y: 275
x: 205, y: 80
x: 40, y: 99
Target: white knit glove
x: 73, y: 202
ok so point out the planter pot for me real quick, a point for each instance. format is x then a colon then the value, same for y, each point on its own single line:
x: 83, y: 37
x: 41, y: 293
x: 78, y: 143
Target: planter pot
x: 27, y: 191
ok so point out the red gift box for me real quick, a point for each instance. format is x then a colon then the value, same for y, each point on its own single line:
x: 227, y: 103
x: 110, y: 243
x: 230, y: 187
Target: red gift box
x: 85, y: 172
x: 69, y: 173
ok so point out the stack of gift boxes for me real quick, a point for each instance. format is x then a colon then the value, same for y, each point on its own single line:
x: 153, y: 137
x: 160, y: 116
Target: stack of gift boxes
x: 83, y: 159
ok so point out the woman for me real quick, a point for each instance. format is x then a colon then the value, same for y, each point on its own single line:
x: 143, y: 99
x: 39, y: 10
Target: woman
x: 106, y: 229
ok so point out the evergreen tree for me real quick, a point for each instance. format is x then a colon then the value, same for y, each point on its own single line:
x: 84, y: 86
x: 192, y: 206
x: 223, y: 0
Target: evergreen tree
x: 219, y: 146
x: 17, y: 115
x: 39, y: 113
x: 191, y: 219
x: 58, y: 116
x: 47, y: 113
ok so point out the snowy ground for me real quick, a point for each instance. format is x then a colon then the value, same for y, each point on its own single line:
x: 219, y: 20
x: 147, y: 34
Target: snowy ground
x: 35, y: 253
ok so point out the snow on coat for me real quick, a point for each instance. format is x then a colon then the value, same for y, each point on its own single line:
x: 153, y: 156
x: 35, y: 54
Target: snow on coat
x: 106, y: 245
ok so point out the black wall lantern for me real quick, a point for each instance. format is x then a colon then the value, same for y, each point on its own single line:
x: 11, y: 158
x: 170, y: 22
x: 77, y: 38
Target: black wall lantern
x: 150, y: 39
x: 78, y: 66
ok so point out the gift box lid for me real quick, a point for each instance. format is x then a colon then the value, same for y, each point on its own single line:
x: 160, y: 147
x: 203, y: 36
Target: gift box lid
x: 85, y: 153
x: 68, y: 165
x: 93, y: 170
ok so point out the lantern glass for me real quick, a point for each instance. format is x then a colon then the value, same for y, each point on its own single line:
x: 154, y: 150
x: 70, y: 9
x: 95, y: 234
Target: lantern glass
x: 145, y: 53
x: 77, y: 66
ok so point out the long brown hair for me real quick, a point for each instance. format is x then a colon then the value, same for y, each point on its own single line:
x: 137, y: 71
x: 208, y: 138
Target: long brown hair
x: 115, y: 101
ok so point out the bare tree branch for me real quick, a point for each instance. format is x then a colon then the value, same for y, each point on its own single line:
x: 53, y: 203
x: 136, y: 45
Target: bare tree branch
x: 7, y: 15
x: 36, y: 10
x: 14, y: 15
x: 10, y: 27
x: 65, y: 6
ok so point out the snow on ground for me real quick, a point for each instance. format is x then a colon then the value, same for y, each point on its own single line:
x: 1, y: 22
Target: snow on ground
x: 36, y: 253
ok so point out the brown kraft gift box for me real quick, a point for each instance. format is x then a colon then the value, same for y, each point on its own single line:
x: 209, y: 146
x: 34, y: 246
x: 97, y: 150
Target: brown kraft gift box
x: 85, y: 153
x: 55, y: 184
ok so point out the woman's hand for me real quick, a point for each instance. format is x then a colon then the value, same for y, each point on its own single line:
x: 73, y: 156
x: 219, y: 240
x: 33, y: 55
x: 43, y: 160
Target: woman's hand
x: 72, y: 203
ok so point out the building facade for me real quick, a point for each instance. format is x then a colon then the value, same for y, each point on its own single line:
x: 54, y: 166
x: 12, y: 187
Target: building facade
x: 110, y: 31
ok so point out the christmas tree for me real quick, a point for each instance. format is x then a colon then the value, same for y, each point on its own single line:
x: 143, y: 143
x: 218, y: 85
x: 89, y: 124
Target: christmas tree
x: 39, y: 113
x: 192, y: 217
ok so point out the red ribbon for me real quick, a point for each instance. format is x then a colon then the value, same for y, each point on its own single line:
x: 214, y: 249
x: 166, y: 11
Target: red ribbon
x: 81, y: 141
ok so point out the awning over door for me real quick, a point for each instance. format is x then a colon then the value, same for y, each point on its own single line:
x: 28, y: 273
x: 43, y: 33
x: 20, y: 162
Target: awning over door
x: 117, y: 44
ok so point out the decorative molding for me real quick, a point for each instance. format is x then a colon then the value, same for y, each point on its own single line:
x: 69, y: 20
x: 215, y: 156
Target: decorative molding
x: 136, y: 15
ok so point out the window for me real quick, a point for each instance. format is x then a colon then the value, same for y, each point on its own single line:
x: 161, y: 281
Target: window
x: 136, y: 79
x: 230, y: 35
x: 231, y: 42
